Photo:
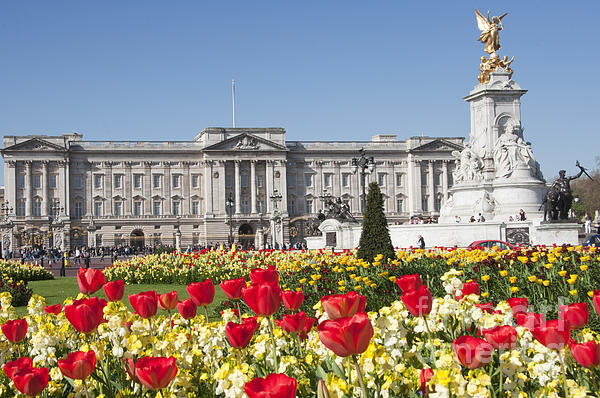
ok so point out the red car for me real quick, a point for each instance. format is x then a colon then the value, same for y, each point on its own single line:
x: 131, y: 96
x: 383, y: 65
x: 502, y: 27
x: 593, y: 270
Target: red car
x: 483, y: 244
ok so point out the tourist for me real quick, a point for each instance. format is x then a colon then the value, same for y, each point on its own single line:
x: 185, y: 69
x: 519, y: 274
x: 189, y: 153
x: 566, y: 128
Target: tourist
x: 522, y: 215
x: 480, y: 218
x: 472, y: 219
x: 457, y: 219
x: 510, y: 219
x: 421, y: 242
x: 587, y: 220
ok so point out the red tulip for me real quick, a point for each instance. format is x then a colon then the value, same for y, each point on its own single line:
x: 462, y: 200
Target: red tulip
x: 501, y: 337
x: 239, y: 335
x: 486, y: 307
x: 274, y: 385
x: 114, y: 290
x: 426, y: 375
x: 296, y: 323
x: 418, y: 302
x: 201, y: 293
x: 258, y: 275
x: 576, y: 314
x: 407, y: 283
x: 555, y: 334
x: 13, y: 367
x: 155, y: 372
x: 596, y: 301
x: 129, y: 364
x: 343, y: 305
x: 233, y: 288
x: 145, y: 304
x: 32, y: 381
x: 53, y: 309
x: 168, y: 301
x: 346, y: 336
x: 472, y: 352
x: 86, y: 314
x: 530, y: 320
x: 518, y: 304
x: 470, y: 287
x: 78, y: 365
x: 292, y: 300
x: 90, y: 280
x: 15, y: 330
x: 187, y: 309
x: 263, y: 298
x: 586, y: 354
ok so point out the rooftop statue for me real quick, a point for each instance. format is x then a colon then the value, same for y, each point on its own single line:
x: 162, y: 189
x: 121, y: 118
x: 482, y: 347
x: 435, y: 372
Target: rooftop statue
x: 489, y: 31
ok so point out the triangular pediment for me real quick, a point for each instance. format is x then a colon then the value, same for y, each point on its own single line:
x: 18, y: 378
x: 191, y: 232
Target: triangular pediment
x: 439, y: 145
x: 35, y: 144
x: 246, y: 143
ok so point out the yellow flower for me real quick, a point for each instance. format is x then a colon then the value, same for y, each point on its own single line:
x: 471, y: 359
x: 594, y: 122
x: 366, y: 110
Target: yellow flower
x: 513, y: 279
x: 503, y: 272
x: 562, y: 272
x: 311, y: 283
x: 532, y: 278
x: 485, y: 294
x: 583, y: 267
x: 514, y: 289
x: 342, y: 288
x: 485, y: 278
x: 548, y: 265
x: 590, y: 293
x: 392, y: 279
x: 546, y: 283
x: 342, y: 283
x: 357, y: 287
x: 573, y: 292
x: 302, y: 281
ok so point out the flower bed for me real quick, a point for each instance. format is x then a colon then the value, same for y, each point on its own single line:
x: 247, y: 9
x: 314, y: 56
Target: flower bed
x: 421, y: 344
x: 25, y: 272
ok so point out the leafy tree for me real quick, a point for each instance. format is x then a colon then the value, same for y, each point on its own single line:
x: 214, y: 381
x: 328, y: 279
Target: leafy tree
x: 375, y: 236
x: 588, y: 192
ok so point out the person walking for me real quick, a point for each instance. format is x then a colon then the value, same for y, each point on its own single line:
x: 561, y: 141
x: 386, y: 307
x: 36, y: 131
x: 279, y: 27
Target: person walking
x: 421, y: 242
x: 587, y: 220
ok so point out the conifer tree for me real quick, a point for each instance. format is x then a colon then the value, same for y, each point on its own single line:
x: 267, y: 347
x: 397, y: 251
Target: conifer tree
x: 375, y: 236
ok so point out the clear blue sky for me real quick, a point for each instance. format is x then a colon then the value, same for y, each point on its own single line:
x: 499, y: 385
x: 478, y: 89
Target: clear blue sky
x: 336, y: 70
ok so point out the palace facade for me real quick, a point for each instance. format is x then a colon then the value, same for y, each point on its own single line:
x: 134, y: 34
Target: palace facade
x: 250, y: 182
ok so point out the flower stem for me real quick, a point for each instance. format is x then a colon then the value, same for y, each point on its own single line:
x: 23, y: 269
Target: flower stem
x: 87, y: 395
x: 206, y: 313
x: 564, y: 374
x: 360, y: 376
x: 237, y: 302
x: 274, y: 346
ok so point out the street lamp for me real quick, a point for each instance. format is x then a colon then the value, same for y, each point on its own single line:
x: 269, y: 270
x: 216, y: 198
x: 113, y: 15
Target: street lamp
x: 55, y: 211
x: 229, y: 203
x: 276, y: 198
x: 366, y: 165
x: 7, y: 229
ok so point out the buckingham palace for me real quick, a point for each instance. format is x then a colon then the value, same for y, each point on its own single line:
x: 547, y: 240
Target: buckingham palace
x: 249, y: 185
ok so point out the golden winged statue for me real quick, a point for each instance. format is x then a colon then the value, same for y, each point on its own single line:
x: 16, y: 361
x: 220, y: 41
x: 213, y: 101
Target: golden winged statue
x: 489, y: 31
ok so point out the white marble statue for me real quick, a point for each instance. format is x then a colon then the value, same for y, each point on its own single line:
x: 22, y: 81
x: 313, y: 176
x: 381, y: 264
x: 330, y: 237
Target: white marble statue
x: 469, y: 166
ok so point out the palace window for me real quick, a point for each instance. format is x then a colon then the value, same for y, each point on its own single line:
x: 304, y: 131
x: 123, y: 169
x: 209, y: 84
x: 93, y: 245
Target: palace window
x: 176, y: 207
x: 98, y: 209
x: 97, y: 181
x: 399, y: 180
x: 260, y: 180
x: 37, y: 207
x: 78, y: 182
x: 424, y: 178
x: 309, y: 206
x: 245, y: 207
x: 98, y: 240
x: 156, y: 208
x: 195, y: 208
x: 78, y: 209
x: 21, y: 181
x: 291, y: 207
x: 327, y: 180
x: 244, y: 180
x: 156, y: 180
x: 118, y: 208
x: 437, y: 179
x: 118, y: 181
x: 52, y: 183
x: 137, y: 208
x: 399, y: 205
x: 308, y: 180
x: 37, y: 181
x: 195, y: 181
x: 424, y: 204
x: 176, y: 181
x: 381, y: 179
x: 291, y: 180
x: 137, y: 181
x: 21, y: 207
x: 345, y: 180
x: 228, y: 180
x: 260, y: 206
x: 438, y: 203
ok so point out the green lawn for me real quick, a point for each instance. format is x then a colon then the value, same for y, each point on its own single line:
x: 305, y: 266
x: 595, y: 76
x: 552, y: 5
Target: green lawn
x: 57, y: 290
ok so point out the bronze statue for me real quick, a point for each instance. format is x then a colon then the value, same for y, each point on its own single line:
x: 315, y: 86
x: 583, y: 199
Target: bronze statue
x: 489, y: 31
x: 559, y: 198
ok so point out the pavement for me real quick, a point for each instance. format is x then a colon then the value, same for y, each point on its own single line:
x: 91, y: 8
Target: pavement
x: 71, y: 270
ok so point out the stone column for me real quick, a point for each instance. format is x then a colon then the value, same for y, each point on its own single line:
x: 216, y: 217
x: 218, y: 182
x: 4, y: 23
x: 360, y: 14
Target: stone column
x: 67, y: 187
x: 167, y: 188
x: 147, y: 189
x: 431, y: 187
x: 10, y: 182
x: 45, y: 204
x: 283, y: 188
x: 337, y: 179
x: 186, y: 189
x: 238, y: 196
x: 28, y: 193
x: 268, y: 185
x: 416, y: 182
x: 128, y: 191
x: 88, y: 189
x: 253, y: 186
x: 108, y: 183
x: 445, y: 179
x: 356, y: 188
x: 219, y: 190
x: 208, y: 194
x: 318, y: 182
x: 410, y: 185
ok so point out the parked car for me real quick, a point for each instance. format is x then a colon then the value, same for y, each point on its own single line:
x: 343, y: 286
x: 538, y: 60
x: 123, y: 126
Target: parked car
x: 491, y: 243
x: 593, y: 240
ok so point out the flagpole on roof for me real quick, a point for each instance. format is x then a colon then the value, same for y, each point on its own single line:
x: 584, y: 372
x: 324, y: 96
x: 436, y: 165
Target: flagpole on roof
x: 233, y: 99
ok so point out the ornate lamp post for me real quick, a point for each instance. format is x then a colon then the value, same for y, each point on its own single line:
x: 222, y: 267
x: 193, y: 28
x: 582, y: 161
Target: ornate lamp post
x: 177, y: 234
x: 229, y: 203
x: 276, y: 198
x: 7, y: 229
x: 53, y: 219
x: 366, y: 165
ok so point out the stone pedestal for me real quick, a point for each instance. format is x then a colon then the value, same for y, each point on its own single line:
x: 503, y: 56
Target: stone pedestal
x: 557, y: 233
x: 496, y: 174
